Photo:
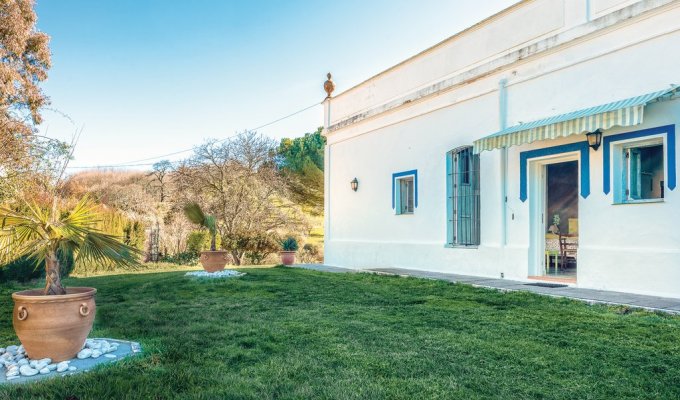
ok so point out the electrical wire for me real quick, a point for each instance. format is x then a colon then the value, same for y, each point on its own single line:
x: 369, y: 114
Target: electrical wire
x: 136, y: 163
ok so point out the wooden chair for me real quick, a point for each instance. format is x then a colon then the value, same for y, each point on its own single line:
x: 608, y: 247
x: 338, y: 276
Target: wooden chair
x: 568, y: 249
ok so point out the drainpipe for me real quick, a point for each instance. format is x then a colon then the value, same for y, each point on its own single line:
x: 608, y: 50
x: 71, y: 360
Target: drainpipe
x: 503, y: 119
x: 588, y: 17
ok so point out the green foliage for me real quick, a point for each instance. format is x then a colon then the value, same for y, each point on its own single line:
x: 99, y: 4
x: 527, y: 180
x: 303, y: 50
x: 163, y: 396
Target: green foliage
x: 24, y: 269
x: 134, y: 235
x: 289, y: 244
x: 306, y: 151
x: 184, y: 258
x: 199, y: 241
x: 131, y: 232
x: 302, y: 161
x: 195, y: 214
x: 260, y: 247
x: 43, y: 233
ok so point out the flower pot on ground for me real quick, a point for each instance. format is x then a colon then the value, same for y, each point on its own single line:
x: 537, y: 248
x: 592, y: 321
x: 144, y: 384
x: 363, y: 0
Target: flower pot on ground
x: 213, y: 260
x: 54, y: 322
x: 288, y: 248
x: 65, y: 319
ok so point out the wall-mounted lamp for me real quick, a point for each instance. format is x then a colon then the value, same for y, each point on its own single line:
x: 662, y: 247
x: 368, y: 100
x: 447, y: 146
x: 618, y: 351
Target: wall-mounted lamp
x: 594, y: 139
x: 354, y: 184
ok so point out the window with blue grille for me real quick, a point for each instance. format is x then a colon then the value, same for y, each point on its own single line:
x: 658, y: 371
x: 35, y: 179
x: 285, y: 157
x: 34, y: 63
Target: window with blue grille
x: 463, y: 205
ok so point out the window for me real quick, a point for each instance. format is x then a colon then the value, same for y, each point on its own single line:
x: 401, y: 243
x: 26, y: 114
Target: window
x: 463, y: 197
x: 405, y: 195
x: 643, y: 171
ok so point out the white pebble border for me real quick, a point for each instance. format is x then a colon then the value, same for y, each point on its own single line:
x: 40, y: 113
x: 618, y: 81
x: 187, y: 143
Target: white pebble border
x: 227, y: 273
x: 16, y: 364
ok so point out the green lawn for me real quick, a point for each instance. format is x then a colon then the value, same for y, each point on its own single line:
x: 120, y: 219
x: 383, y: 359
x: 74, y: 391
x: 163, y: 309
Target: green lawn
x: 294, y: 334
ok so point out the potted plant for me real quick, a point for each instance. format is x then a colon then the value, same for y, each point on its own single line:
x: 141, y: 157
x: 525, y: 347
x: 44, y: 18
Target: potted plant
x: 54, y: 322
x: 288, y: 248
x: 213, y: 260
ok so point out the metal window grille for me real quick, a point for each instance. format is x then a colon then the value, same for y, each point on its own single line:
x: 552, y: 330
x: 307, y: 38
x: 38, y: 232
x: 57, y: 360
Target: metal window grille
x: 406, y: 189
x: 464, y: 182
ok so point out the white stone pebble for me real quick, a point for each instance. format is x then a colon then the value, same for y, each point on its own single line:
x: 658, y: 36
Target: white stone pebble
x: 84, y: 353
x: 25, y: 370
x: 110, y: 355
x: 227, y: 273
x: 62, y: 366
x: 44, y: 371
x: 72, y: 368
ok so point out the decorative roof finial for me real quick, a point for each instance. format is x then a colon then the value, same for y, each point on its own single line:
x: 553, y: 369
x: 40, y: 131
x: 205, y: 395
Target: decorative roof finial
x: 329, y: 86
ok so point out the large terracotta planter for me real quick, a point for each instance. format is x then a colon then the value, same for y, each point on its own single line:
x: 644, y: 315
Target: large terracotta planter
x: 213, y: 261
x: 54, y: 326
x: 287, y: 257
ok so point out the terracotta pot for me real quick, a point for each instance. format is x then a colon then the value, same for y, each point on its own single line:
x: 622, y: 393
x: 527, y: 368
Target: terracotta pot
x: 287, y: 257
x: 213, y: 261
x: 54, y: 326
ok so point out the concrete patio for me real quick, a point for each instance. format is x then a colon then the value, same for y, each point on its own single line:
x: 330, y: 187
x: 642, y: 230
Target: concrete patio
x: 651, y: 303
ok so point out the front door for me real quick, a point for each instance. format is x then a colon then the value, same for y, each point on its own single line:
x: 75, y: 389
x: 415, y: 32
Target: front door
x: 554, y: 208
x: 560, y: 220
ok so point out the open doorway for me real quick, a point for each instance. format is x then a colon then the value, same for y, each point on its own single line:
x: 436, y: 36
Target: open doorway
x: 560, y: 221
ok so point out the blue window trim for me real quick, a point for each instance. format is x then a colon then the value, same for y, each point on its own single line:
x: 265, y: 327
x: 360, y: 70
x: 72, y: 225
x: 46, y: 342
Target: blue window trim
x: 549, y: 151
x: 397, y: 175
x: 669, y: 130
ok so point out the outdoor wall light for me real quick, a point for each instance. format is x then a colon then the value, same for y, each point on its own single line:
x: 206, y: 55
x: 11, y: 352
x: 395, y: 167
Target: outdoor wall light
x: 354, y: 184
x: 594, y: 139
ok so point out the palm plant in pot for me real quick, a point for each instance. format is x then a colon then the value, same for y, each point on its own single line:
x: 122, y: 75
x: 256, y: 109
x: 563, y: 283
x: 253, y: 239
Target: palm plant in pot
x: 54, y: 322
x: 213, y: 260
x: 288, y: 248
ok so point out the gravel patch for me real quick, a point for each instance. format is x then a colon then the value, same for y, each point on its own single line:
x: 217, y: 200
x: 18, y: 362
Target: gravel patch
x: 227, y: 273
x: 16, y: 367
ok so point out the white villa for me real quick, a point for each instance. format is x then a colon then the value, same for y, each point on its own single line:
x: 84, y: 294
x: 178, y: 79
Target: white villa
x: 537, y: 145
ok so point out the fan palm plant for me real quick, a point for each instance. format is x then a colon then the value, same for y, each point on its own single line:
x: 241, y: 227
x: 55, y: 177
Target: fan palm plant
x: 42, y: 233
x: 196, y: 215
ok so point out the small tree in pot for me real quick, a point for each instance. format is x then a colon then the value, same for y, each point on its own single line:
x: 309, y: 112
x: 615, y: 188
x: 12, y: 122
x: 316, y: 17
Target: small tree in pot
x: 288, y: 248
x: 55, y: 321
x: 213, y: 260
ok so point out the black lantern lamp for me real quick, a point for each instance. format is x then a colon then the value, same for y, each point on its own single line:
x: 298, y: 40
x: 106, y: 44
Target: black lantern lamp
x: 355, y: 184
x: 594, y: 139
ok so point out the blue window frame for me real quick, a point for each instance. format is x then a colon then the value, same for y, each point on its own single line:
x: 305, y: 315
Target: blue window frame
x: 581, y: 147
x: 609, y: 141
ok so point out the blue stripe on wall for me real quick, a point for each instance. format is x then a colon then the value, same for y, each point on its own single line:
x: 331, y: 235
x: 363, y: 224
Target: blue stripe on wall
x: 395, y: 176
x: 669, y: 130
x: 549, y: 151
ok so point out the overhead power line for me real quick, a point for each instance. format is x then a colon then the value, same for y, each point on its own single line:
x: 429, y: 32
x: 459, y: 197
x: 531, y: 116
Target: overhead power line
x: 136, y: 163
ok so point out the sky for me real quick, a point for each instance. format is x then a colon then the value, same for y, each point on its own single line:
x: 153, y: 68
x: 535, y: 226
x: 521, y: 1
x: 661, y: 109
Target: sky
x: 144, y: 78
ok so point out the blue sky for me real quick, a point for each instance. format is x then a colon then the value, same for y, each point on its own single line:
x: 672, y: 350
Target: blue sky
x: 149, y: 77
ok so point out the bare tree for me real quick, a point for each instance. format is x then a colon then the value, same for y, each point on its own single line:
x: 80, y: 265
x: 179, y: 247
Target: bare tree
x: 238, y: 182
x: 160, y: 175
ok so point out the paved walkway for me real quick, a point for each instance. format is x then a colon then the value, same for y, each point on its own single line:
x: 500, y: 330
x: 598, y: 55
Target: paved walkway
x: 653, y: 303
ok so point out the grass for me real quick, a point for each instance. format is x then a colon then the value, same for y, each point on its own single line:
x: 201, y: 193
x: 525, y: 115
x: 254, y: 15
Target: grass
x: 283, y: 333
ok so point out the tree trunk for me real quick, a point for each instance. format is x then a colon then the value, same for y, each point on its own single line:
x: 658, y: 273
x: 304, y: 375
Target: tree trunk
x: 236, y: 256
x: 213, y: 242
x: 53, y: 276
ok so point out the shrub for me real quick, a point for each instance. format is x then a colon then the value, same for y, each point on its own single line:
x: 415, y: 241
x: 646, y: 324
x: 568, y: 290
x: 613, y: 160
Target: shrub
x: 184, y: 258
x: 24, y: 269
x: 310, y: 253
x: 289, y: 244
x: 199, y: 241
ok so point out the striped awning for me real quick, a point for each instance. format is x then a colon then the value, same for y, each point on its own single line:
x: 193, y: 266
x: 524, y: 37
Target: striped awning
x: 627, y: 112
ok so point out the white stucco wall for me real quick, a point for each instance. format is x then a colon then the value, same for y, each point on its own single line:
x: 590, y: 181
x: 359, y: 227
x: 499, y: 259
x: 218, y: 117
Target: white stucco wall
x: 633, y: 248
